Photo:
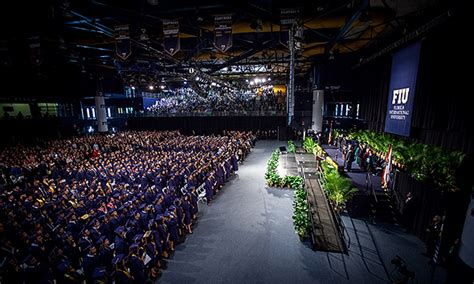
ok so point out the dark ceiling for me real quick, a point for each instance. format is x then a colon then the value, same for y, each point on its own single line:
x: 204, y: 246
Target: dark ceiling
x: 72, y: 42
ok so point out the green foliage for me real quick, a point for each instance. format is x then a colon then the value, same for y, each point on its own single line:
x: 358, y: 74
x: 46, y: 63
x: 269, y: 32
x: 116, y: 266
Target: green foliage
x: 301, y: 220
x: 291, y: 147
x: 339, y: 189
x: 422, y: 161
x: 312, y: 147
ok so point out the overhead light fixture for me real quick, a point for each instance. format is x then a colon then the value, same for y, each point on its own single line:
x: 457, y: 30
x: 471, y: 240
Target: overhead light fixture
x: 162, y: 87
x: 269, y: 79
x: 252, y: 83
x: 197, y: 78
x: 213, y: 84
x: 151, y: 87
x: 133, y: 87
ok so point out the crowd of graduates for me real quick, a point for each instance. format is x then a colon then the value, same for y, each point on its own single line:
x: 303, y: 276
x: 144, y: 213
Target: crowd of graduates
x: 106, y: 208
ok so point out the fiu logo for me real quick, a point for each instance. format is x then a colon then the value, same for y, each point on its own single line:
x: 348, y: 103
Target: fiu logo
x: 400, y: 96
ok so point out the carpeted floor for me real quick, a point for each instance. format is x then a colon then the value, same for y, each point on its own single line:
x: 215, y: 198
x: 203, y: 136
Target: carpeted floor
x: 247, y: 236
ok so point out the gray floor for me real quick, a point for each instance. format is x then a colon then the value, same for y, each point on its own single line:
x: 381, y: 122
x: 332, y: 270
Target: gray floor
x: 246, y: 236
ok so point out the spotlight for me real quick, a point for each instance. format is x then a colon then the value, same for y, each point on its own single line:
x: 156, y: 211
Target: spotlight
x: 151, y: 87
x: 162, y: 87
x: 185, y: 82
x: 269, y: 79
x: 263, y: 80
x: 133, y: 87
x: 246, y: 80
x: 197, y: 78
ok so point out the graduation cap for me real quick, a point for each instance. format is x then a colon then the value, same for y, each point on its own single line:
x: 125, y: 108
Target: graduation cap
x: 134, y: 246
x: 63, y: 265
x: 138, y: 237
x: 100, y: 240
x: 119, y: 230
x: 118, y: 258
x: 99, y: 273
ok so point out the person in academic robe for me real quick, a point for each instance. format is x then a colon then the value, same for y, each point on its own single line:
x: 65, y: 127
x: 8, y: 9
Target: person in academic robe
x: 135, y: 262
x: 90, y: 262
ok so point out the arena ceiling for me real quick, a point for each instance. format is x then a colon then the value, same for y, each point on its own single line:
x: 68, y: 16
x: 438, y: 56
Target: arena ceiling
x: 81, y: 34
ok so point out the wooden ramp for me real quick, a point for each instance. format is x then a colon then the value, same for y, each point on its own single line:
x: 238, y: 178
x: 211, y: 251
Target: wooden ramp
x: 325, y: 234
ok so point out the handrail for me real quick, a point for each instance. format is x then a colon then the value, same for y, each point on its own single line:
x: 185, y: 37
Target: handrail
x: 335, y: 215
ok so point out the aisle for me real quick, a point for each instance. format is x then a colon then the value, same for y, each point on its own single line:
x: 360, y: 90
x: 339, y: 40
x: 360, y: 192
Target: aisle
x: 247, y: 236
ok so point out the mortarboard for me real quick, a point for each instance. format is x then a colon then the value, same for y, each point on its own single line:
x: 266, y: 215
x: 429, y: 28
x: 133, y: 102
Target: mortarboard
x: 119, y: 230
x: 100, y: 240
x: 138, y: 237
x: 134, y: 246
x: 63, y: 265
x: 99, y: 273
x: 118, y: 258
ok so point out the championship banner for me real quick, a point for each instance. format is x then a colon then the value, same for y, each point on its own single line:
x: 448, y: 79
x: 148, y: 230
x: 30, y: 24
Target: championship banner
x: 122, y: 42
x: 288, y: 17
x: 402, y: 90
x: 171, y: 42
x: 223, y: 32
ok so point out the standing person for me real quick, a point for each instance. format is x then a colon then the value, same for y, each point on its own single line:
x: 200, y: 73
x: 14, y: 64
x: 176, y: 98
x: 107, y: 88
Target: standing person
x: 349, y: 157
x: 409, y: 211
x: 433, y: 232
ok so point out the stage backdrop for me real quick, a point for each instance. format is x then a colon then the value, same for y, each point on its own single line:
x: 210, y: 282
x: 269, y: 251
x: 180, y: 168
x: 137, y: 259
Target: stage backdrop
x: 402, y: 90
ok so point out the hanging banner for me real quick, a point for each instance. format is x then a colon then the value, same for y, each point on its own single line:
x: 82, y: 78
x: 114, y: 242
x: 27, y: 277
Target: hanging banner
x: 223, y: 32
x: 122, y: 42
x: 402, y: 90
x: 171, y: 42
x: 288, y: 17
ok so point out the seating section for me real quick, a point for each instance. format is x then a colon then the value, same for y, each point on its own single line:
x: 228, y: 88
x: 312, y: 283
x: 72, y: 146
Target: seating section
x: 107, y: 207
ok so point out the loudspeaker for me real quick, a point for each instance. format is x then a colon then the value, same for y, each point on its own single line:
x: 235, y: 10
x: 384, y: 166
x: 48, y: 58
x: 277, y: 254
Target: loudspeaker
x: 283, y: 149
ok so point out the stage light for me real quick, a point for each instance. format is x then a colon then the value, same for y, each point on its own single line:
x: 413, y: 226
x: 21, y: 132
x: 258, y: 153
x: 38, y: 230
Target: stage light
x: 133, y: 88
x: 197, y: 78
x: 151, y: 87
x: 269, y: 79
x: 185, y: 82
x: 263, y: 80
x: 247, y: 80
x: 162, y: 87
